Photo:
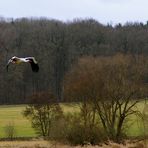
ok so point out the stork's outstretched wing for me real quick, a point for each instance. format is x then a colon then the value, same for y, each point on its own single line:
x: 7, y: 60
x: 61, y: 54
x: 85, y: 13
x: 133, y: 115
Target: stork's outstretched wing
x: 34, y: 64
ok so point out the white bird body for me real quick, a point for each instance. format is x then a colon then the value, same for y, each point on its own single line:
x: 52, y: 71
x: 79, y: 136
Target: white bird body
x: 22, y: 60
x: 31, y: 60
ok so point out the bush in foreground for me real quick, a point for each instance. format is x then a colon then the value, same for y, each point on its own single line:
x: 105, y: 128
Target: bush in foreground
x: 79, y: 133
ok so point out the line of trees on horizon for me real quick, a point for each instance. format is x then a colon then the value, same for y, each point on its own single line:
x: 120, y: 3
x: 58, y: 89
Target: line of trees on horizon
x: 57, y: 46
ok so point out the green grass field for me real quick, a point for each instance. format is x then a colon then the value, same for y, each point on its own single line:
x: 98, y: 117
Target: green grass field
x: 135, y: 125
x: 13, y: 114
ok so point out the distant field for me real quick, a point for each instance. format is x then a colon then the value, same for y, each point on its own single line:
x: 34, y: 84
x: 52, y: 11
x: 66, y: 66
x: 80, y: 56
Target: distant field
x: 13, y: 114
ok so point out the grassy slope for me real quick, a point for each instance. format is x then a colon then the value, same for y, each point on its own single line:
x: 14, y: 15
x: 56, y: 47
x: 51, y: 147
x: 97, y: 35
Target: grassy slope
x: 23, y: 126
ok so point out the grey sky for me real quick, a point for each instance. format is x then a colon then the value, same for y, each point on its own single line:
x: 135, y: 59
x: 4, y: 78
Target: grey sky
x: 105, y: 11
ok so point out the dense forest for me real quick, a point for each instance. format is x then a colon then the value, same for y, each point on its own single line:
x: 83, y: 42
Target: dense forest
x: 57, y: 46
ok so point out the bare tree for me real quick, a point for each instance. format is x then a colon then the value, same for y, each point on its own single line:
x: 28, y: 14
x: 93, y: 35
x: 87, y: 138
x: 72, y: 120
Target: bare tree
x: 112, y: 85
x: 42, y: 111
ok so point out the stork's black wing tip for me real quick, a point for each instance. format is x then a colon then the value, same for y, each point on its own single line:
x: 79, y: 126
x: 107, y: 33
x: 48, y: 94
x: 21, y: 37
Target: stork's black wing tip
x: 35, y: 70
x: 35, y: 67
x: 7, y: 68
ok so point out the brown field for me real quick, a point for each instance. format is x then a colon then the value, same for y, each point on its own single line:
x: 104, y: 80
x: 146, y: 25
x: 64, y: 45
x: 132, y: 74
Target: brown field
x: 47, y: 144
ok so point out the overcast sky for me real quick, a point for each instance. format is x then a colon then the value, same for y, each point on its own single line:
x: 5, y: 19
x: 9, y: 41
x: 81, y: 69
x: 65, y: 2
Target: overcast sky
x: 104, y: 11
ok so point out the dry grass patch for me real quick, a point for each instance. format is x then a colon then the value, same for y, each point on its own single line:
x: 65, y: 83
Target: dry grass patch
x: 47, y: 144
x: 127, y: 145
x: 25, y: 144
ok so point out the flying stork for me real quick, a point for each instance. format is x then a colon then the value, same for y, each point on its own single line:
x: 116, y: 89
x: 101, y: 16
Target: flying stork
x: 31, y: 60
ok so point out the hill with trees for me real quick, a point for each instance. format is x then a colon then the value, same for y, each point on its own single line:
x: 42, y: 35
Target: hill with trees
x: 57, y: 46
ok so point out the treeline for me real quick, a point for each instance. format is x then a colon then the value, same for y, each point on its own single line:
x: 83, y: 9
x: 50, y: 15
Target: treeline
x: 57, y: 45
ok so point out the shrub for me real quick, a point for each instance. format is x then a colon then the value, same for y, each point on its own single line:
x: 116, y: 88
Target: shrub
x: 78, y: 133
x: 10, y: 131
x: 71, y: 129
x: 42, y: 116
x: 58, y: 130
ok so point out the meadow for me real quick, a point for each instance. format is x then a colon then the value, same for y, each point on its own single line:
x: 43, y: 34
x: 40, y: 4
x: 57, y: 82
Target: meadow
x: 12, y: 114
